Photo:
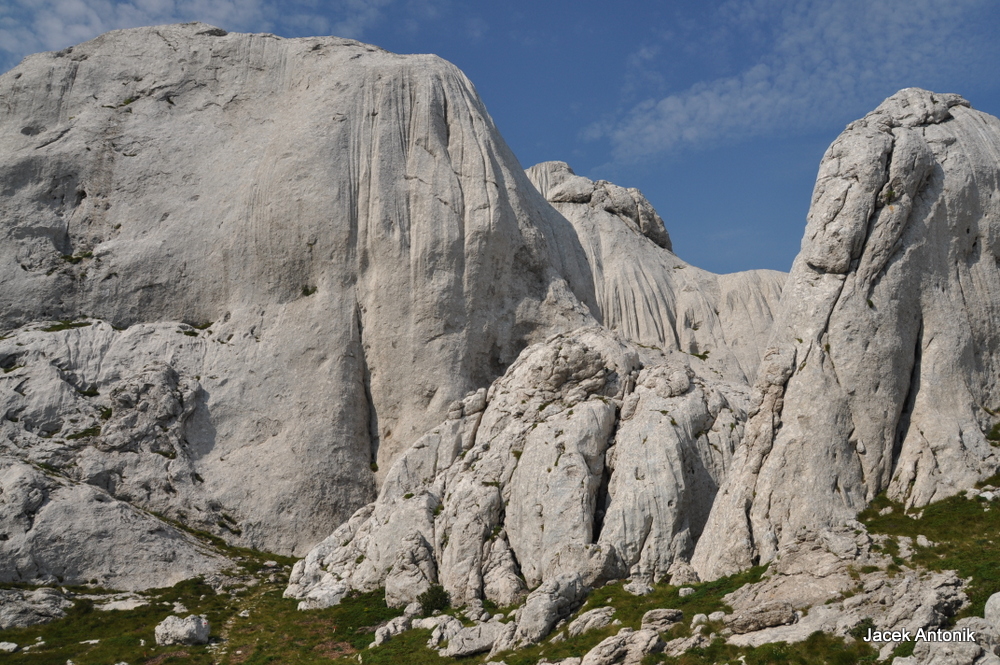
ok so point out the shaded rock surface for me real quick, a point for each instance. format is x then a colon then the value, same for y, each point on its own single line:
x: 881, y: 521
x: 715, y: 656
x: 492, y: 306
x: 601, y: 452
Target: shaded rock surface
x: 49, y: 522
x: 26, y: 608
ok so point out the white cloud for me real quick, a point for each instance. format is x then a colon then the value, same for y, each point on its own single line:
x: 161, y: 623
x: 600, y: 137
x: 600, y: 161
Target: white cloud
x: 815, y: 60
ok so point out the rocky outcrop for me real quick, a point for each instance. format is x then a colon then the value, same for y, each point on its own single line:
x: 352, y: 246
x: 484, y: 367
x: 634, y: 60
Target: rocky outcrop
x: 499, y: 381
x: 508, y: 490
x: 649, y: 295
x: 174, y: 630
x: 340, y: 215
x: 26, y: 608
x: 49, y: 524
x: 628, y: 647
x: 187, y: 291
x: 661, y: 620
x: 765, y: 616
x: 599, y: 617
x: 880, y: 373
x: 575, y: 463
x: 833, y: 580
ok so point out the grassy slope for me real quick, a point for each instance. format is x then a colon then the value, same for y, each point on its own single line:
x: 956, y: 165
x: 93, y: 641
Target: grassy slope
x: 966, y: 533
x: 276, y: 632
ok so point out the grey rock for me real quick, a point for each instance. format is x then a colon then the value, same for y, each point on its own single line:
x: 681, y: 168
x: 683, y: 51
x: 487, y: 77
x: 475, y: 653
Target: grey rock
x: 661, y: 620
x: 172, y: 220
x: 647, y: 293
x: 817, y: 571
x: 442, y: 628
x: 19, y: 609
x: 852, y: 363
x: 683, y: 592
x: 766, y: 616
x: 946, y: 653
x: 678, y: 646
x: 547, y: 604
x: 992, y: 611
x: 669, y: 457
x: 534, y: 456
x: 175, y: 630
x: 628, y: 647
x: 599, y: 617
x: 473, y: 639
x: 638, y: 587
x: 390, y: 629
x: 682, y: 574
x: 8, y: 647
x: 699, y: 619
x: 50, y: 520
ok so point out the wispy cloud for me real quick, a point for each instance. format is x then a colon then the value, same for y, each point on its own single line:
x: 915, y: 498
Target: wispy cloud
x: 29, y: 26
x: 813, y: 61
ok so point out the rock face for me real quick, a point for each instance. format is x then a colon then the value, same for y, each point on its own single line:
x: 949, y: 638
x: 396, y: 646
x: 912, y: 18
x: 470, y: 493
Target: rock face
x: 27, y: 608
x: 338, y: 213
x: 651, y: 296
x: 49, y: 525
x: 575, y: 462
x: 881, y: 370
x: 490, y: 486
x: 249, y: 282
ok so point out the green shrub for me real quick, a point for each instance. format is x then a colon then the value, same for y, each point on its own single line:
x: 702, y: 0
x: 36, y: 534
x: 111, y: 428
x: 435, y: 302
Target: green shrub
x: 435, y: 598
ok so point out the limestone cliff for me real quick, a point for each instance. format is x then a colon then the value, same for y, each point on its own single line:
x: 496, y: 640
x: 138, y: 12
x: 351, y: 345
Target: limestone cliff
x: 363, y: 244
x: 242, y: 275
x: 881, y: 369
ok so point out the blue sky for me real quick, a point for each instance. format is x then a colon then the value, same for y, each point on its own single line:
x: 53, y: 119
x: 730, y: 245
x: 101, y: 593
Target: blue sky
x: 719, y: 111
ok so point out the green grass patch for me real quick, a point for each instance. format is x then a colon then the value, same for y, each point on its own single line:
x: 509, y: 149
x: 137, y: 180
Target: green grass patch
x: 967, y: 537
x: 77, y: 258
x: 83, y: 434
x: 66, y: 324
x: 993, y: 436
x: 818, y: 649
x: 275, y: 630
x: 120, y: 633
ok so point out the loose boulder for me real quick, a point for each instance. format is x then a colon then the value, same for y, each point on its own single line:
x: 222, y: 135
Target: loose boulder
x: 175, y: 630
